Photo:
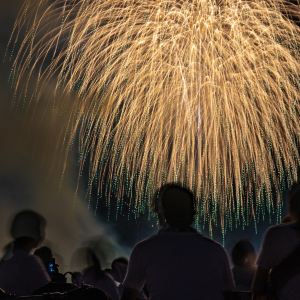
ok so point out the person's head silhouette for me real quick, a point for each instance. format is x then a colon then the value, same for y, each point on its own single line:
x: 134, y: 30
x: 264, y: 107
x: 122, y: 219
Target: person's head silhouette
x: 28, y: 230
x: 243, y: 254
x: 175, y: 206
x: 294, y: 202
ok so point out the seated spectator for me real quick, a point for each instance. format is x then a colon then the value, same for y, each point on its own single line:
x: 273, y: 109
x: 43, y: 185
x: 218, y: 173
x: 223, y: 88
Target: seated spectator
x: 118, y: 272
x: 58, y: 281
x: 279, y: 260
x: 178, y: 262
x: 119, y: 269
x: 46, y: 256
x: 96, y: 277
x: 243, y: 257
x: 23, y: 272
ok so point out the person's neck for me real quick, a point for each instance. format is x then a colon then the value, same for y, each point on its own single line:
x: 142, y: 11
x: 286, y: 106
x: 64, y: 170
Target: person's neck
x: 24, y: 249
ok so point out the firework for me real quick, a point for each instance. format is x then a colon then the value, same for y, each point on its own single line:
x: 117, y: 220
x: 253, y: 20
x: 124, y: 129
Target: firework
x: 201, y: 92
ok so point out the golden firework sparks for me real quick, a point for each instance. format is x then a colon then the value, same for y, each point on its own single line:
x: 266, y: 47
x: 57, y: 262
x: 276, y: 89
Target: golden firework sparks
x: 201, y: 92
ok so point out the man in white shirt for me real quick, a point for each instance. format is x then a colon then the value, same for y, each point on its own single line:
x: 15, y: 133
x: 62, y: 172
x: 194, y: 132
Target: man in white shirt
x: 178, y: 262
x: 24, y: 273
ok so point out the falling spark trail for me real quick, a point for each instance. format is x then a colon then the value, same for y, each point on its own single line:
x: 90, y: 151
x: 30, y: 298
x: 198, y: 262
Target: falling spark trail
x: 201, y: 92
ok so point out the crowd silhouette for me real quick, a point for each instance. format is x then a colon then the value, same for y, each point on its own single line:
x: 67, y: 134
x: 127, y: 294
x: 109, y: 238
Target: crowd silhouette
x: 176, y: 263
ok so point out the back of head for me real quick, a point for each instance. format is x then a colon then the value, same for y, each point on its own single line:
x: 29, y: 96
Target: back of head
x: 28, y: 224
x: 294, y: 202
x: 119, y: 268
x: 243, y: 253
x: 91, y: 258
x: 120, y: 261
x: 45, y: 254
x: 176, y: 204
x: 93, y: 263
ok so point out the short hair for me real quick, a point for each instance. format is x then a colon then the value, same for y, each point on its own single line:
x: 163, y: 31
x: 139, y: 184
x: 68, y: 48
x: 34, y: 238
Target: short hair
x: 119, y: 260
x: 241, y: 251
x: 176, y: 203
x: 45, y: 253
x: 28, y: 223
x: 294, y: 200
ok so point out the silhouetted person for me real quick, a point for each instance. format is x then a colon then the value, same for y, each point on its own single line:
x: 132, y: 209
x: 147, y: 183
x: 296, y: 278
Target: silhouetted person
x: 177, y: 262
x: 243, y: 257
x: 96, y: 277
x: 118, y: 272
x: 278, y: 273
x: 58, y: 280
x: 119, y: 269
x: 46, y: 256
x: 23, y: 272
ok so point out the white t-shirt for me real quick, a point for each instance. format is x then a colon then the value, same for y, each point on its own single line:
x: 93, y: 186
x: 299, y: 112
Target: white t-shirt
x: 22, y: 274
x: 179, y: 265
x: 279, y: 242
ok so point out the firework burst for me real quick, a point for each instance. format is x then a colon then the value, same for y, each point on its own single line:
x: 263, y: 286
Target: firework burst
x: 201, y: 92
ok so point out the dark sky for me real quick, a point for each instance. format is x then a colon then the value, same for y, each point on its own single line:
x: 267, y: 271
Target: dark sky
x: 128, y: 231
